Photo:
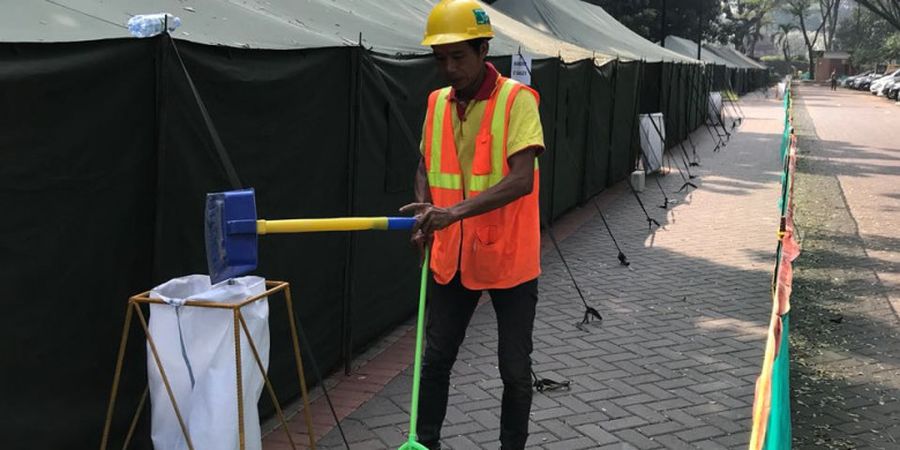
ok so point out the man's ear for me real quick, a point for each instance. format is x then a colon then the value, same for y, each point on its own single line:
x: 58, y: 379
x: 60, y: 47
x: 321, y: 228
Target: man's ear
x: 483, y: 51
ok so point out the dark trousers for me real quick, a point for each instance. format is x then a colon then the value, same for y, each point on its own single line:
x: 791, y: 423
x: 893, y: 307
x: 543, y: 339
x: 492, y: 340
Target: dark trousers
x: 450, y: 308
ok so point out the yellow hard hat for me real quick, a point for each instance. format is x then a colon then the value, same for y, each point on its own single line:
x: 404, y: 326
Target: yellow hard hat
x: 452, y: 21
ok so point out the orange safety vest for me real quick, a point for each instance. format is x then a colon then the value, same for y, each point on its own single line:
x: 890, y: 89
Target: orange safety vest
x: 500, y: 248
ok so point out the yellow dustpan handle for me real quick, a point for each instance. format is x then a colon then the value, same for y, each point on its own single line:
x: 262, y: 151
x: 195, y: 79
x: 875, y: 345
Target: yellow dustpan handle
x: 313, y: 225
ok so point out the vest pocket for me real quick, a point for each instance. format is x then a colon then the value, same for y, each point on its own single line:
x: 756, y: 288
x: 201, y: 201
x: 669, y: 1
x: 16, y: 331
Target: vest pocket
x: 481, y: 164
x: 487, y: 234
x: 487, y: 257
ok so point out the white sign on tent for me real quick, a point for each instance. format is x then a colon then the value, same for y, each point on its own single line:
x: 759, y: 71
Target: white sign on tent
x: 521, y: 68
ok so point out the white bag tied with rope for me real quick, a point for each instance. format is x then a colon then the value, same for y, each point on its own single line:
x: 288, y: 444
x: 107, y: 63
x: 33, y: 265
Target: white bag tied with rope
x: 196, y: 346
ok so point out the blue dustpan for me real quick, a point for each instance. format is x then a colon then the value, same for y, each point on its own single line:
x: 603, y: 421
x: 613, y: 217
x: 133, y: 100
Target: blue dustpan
x: 230, y: 234
x: 231, y: 231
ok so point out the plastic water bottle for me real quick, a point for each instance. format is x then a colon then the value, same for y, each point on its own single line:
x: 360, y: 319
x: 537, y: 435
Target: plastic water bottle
x: 147, y: 25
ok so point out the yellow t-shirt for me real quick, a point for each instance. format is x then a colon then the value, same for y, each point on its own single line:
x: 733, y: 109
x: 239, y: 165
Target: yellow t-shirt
x: 524, y: 130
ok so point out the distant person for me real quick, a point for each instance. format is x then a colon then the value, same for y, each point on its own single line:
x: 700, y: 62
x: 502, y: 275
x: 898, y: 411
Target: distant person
x: 833, y: 80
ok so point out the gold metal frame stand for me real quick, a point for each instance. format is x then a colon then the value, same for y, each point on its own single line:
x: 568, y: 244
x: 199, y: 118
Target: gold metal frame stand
x: 134, y: 307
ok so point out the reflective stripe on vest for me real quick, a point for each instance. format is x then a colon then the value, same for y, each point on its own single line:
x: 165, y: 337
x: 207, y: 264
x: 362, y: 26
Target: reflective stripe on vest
x: 440, y: 148
x: 443, y: 171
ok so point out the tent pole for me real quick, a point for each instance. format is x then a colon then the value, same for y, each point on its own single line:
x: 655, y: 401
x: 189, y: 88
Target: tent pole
x: 352, y: 156
x: 699, y: 30
x: 662, y: 24
x: 589, y: 138
x: 553, y: 153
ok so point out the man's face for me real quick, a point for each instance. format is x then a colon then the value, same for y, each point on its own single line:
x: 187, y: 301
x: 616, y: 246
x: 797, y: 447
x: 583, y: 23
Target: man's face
x: 459, y: 63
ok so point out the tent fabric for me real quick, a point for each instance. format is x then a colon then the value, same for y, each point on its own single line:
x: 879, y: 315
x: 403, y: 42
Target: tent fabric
x: 232, y: 23
x: 80, y: 148
x: 393, y: 28
x: 572, y: 105
x: 588, y: 26
x: 599, y: 121
x: 651, y: 77
x: 386, y: 154
x: 624, y: 142
x: 749, y: 62
x: 732, y: 70
x: 688, y: 48
x: 545, y: 76
x: 713, y: 54
x: 737, y: 59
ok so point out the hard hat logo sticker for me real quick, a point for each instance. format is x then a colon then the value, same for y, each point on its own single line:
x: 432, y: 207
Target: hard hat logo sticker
x: 481, y: 17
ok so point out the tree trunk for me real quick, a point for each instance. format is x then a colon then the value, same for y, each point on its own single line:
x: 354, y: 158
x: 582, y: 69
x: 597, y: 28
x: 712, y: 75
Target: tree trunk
x: 754, y: 37
x: 834, y: 24
x: 812, y: 63
x: 809, y: 46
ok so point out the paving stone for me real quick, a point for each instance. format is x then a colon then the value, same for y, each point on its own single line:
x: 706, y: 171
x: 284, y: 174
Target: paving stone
x: 634, y: 439
x: 696, y: 434
x: 655, y: 429
x: 597, y: 434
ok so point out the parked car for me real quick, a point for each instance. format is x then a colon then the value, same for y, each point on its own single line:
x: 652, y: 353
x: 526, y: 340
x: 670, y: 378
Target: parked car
x: 854, y: 82
x: 877, y: 86
x: 893, y: 91
x: 848, y: 81
x: 893, y: 82
x: 864, y: 82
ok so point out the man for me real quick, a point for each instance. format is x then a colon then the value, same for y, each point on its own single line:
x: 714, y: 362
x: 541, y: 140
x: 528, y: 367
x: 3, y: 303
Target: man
x: 834, y: 80
x: 477, y: 206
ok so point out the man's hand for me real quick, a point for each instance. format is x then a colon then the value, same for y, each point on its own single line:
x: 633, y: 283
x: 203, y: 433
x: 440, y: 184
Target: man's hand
x: 429, y: 218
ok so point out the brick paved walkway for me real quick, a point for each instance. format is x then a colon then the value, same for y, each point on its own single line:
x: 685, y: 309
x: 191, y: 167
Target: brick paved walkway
x: 674, y: 361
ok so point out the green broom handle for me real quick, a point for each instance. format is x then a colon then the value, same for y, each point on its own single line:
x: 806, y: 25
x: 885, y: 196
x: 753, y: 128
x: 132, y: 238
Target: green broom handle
x: 417, y: 370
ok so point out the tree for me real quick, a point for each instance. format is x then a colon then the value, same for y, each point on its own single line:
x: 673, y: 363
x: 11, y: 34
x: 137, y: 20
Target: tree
x: 888, y: 10
x: 800, y: 9
x: 781, y: 39
x: 644, y: 17
x: 743, y: 21
x: 870, y: 38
